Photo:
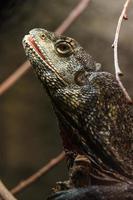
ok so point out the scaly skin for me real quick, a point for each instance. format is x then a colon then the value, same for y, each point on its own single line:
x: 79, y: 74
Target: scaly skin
x: 94, y: 117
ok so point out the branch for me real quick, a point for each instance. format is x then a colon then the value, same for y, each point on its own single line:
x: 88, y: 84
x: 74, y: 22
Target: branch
x: 52, y: 163
x: 74, y: 14
x: 15, y: 76
x: 5, y: 194
x: 113, y: 192
x: 118, y: 72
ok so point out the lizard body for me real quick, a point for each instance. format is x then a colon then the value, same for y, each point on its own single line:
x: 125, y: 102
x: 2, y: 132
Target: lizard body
x: 94, y: 117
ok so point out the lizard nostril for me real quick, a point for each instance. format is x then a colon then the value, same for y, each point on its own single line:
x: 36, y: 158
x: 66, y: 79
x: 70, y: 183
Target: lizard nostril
x: 42, y: 36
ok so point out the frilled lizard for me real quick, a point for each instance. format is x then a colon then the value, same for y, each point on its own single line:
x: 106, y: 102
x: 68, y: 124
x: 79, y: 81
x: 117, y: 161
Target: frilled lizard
x: 95, y: 120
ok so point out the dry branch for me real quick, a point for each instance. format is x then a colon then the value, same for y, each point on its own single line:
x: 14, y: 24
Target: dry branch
x: 118, y: 72
x: 121, y: 191
x: 5, y: 194
x: 14, y: 77
x: 74, y: 14
x: 25, y: 183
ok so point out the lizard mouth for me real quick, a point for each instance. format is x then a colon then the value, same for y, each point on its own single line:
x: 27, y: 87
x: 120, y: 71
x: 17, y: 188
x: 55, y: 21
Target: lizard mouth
x: 36, y: 48
x: 31, y: 41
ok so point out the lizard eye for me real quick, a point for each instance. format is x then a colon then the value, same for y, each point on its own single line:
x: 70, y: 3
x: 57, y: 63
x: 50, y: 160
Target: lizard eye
x: 63, y: 48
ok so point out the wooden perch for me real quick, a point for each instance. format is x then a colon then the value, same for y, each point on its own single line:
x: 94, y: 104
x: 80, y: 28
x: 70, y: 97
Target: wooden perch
x: 118, y: 71
x: 25, y: 183
x: 5, y: 194
x: 116, y: 192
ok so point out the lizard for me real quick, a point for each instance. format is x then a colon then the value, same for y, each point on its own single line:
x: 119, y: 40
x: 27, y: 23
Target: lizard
x: 95, y: 119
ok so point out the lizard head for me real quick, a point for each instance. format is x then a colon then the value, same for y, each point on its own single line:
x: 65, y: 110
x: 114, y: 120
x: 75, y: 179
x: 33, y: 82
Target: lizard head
x: 57, y: 59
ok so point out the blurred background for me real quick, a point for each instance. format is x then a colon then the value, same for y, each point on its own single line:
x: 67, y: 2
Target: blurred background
x: 29, y: 135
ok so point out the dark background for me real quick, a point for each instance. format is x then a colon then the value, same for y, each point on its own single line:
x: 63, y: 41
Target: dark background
x: 29, y: 135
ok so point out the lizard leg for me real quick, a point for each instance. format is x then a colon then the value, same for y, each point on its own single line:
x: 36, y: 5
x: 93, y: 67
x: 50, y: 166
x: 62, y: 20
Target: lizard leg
x: 79, y: 174
x: 61, y: 185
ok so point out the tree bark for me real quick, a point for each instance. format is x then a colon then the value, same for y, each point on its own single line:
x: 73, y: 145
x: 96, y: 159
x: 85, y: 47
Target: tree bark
x: 121, y: 191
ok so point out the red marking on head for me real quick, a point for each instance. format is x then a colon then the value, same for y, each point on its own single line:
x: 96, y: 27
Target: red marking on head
x: 36, y: 48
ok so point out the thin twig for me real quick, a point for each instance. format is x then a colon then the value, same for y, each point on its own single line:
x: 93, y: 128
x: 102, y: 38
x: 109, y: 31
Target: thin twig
x: 74, y: 14
x: 5, y: 194
x: 126, y: 7
x: 52, y: 163
x: 14, y: 77
x: 118, y: 72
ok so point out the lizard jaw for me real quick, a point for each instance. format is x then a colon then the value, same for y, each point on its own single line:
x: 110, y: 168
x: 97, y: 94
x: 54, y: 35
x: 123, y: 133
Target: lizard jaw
x: 30, y: 41
x: 36, y: 48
